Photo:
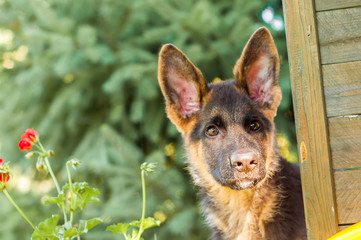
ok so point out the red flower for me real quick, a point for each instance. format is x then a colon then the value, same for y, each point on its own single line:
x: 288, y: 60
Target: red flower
x: 25, y: 144
x: 30, y: 134
x: 4, y: 173
x: 28, y: 139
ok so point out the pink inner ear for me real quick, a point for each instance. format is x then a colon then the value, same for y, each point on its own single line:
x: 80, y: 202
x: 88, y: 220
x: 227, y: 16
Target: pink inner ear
x: 259, y: 80
x: 186, y: 98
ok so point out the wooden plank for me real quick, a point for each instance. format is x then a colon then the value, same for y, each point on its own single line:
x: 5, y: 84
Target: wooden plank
x: 342, y: 88
x: 310, y: 115
x: 322, y: 5
x: 348, y: 195
x: 345, y: 141
x: 340, y: 35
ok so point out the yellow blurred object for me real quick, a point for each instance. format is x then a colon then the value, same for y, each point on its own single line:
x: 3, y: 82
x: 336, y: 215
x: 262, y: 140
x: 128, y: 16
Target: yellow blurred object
x: 216, y: 80
x: 69, y: 78
x: 160, y: 216
x: 284, y: 148
x: 351, y: 233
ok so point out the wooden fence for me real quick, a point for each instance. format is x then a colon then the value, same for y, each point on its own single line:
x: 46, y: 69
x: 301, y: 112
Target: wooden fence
x: 324, y: 47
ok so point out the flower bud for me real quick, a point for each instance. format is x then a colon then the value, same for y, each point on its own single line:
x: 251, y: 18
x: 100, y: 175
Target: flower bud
x: 50, y: 153
x: 30, y: 155
x: 40, y: 164
x: 74, y: 163
x: 148, y: 167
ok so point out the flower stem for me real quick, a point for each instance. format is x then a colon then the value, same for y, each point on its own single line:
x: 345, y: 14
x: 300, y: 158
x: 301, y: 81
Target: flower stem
x: 71, y: 192
x: 19, y: 210
x: 52, y: 175
x: 143, y: 210
x: 42, y: 149
x: 55, y: 181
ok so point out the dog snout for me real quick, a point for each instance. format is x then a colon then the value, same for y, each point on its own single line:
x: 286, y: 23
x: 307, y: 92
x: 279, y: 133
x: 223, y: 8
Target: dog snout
x: 244, y: 161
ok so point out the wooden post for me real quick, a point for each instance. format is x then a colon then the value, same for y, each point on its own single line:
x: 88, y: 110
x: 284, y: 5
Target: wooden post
x: 311, y: 120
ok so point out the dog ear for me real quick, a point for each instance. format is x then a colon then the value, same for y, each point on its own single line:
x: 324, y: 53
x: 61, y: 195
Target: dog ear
x: 182, y: 85
x: 257, y: 71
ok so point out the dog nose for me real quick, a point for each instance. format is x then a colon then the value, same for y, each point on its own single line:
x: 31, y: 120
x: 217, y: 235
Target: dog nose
x: 244, y: 161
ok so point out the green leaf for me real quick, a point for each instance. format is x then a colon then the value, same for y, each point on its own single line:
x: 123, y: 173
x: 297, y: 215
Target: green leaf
x: 70, y: 232
x: 84, y: 195
x: 89, y: 224
x: 47, y: 229
x: 120, y: 228
x: 135, y: 223
x: 150, y: 222
x: 86, y: 225
x: 55, y: 200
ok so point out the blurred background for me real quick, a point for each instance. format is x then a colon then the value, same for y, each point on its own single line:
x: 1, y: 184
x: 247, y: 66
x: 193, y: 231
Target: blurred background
x: 84, y: 74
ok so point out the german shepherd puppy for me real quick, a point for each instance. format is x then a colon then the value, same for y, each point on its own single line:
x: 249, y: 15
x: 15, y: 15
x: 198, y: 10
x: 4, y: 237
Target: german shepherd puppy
x: 248, y: 191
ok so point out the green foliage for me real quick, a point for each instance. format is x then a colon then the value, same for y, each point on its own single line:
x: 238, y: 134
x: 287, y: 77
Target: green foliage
x: 85, y: 226
x: 55, y: 200
x: 120, y: 228
x: 77, y: 196
x: 142, y: 224
x: 88, y: 81
x: 50, y: 230
x: 47, y: 229
x: 148, y: 222
x: 123, y: 228
x: 84, y: 195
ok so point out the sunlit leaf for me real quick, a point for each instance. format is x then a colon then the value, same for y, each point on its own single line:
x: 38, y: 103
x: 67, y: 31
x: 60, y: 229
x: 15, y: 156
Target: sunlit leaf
x: 47, y: 229
x: 135, y: 223
x: 89, y: 224
x: 70, y: 232
x: 150, y: 222
x: 120, y: 228
x: 55, y: 200
x: 147, y: 223
x: 84, y: 195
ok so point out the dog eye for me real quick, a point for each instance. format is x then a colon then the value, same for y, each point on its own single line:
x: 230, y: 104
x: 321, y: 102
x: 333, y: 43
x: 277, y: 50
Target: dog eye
x: 212, y: 131
x: 254, y: 125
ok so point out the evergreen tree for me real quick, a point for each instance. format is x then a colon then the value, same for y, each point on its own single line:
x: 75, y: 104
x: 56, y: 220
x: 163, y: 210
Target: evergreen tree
x: 84, y: 74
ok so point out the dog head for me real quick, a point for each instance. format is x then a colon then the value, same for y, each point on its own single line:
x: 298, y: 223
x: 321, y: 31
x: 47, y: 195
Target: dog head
x: 228, y: 126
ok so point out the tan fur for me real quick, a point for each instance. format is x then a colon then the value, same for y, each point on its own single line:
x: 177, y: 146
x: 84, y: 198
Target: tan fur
x: 241, y: 217
x: 255, y: 212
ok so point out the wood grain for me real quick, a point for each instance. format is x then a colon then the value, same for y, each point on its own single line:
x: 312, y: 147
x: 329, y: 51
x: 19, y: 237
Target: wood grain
x: 342, y: 86
x: 345, y: 141
x: 322, y: 5
x: 310, y: 115
x: 348, y: 192
x: 340, y: 35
